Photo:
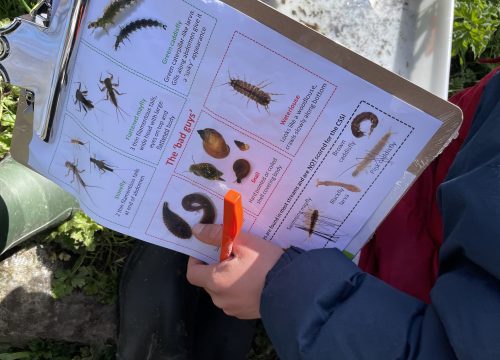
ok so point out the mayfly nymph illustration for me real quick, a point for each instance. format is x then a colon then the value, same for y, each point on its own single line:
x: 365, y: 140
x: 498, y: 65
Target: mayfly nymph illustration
x: 76, y: 175
x: 136, y: 26
x: 81, y: 99
x: 109, y: 87
x: 101, y: 165
x: 114, y: 8
x: 175, y: 224
x: 362, y: 118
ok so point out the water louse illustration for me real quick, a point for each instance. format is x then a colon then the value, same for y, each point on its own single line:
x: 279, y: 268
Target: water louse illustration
x: 361, y: 118
x: 197, y: 202
x: 214, y: 143
x: 252, y: 92
x: 175, y: 224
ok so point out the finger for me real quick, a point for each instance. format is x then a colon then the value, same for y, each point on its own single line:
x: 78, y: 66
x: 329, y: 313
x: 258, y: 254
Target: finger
x: 208, y: 233
x: 198, y: 273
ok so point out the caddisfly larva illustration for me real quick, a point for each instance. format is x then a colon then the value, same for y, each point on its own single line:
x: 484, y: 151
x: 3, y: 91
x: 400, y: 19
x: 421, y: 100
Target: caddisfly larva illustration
x: 109, y: 87
x: 372, y: 154
x: 241, y: 168
x: 197, y: 202
x: 81, y: 99
x: 207, y: 171
x: 348, y: 187
x: 136, y: 26
x: 76, y: 175
x: 241, y: 145
x: 214, y: 143
x: 114, y: 8
x: 252, y: 92
x: 361, y: 119
x: 175, y: 224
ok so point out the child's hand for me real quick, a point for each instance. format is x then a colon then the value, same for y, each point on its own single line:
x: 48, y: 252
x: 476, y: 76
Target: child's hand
x: 236, y: 284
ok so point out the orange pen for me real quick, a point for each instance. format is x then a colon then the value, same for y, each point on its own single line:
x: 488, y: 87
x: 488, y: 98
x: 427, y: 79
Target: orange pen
x: 233, y: 221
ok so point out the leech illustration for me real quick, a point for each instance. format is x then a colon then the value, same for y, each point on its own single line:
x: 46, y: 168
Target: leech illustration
x: 241, y: 168
x: 109, y: 87
x: 114, y: 8
x: 348, y: 187
x: 175, y: 224
x: 361, y: 118
x: 372, y: 154
x: 207, y: 171
x: 197, y: 202
x: 136, y: 26
x: 214, y: 143
x: 241, y: 145
x: 81, y: 99
x: 252, y: 92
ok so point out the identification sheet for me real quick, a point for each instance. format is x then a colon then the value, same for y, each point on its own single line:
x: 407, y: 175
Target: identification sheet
x: 170, y: 104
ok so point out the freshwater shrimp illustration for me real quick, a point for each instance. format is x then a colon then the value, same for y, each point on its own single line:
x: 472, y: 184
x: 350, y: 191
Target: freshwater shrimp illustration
x: 197, y: 202
x: 348, y: 187
x: 109, y: 13
x: 175, y: 224
x: 135, y: 26
x: 361, y: 118
x: 110, y: 88
x: 372, y: 154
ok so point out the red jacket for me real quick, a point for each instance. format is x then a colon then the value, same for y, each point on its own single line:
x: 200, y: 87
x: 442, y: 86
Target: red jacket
x: 404, y: 250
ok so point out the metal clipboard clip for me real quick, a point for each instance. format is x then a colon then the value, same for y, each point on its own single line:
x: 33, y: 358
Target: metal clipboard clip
x: 35, y: 51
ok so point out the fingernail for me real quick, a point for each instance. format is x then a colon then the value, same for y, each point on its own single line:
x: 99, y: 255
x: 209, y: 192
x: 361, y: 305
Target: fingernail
x: 197, y: 229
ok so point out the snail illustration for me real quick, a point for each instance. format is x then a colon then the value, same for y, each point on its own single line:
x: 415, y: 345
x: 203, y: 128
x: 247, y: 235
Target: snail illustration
x: 241, y: 168
x: 214, y: 143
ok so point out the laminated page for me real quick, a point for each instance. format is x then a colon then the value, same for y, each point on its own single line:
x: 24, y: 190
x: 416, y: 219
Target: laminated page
x: 171, y: 104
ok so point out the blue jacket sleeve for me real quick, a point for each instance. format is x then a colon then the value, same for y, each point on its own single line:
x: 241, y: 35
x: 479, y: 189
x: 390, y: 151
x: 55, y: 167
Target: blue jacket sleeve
x: 319, y: 305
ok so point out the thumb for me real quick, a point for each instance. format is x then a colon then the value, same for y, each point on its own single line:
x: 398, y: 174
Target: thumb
x: 208, y: 233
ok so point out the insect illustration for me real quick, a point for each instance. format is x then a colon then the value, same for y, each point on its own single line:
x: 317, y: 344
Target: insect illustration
x: 348, y: 187
x: 81, y: 99
x: 135, y: 26
x: 110, y: 88
x: 101, y: 165
x: 241, y: 145
x: 207, y: 171
x: 372, y: 154
x: 252, y: 92
x: 175, y: 224
x: 214, y: 143
x: 110, y: 12
x: 314, y: 223
x: 361, y: 118
x: 241, y: 168
x: 73, y: 169
x: 197, y: 202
